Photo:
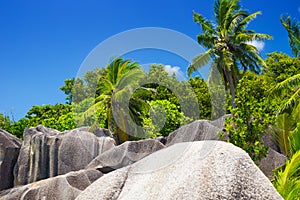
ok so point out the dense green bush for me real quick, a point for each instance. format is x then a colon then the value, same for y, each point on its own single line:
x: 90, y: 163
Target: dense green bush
x: 252, y: 116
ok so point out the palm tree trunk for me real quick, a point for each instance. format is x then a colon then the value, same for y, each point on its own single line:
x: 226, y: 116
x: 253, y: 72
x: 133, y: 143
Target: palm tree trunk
x: 228, y: 76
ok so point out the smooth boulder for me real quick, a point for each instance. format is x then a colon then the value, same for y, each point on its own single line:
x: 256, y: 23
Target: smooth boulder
x: 125, y: 154
x: 196, y: 131
x: 9, y: 151
x: 66, y: 187
x: 190, y: 171
x: 47, y: 153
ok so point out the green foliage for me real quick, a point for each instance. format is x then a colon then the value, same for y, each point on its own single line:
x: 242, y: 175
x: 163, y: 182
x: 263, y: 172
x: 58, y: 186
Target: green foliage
x: 293, y: 28
x: 289, y: 87
x: 286, y: 131
x: 67, y: 89
x: 294, y: 140
x: 105, y: 92
x: 58, y: 116
x: 4, y: 122
x: 17, y: 128
x: 251, y: 117
x: 163, y: 118
x: 280, y: 66
x: 89, y: 113
x: 283, y: 126
x: 281, y: 73
x: 181, y: 93
x: 287, y: 180
x: 203, y: 96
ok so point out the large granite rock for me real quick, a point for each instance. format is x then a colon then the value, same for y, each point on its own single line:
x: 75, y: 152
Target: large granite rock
x: 197, y: 131
x: 125, y: 154
x: 9, y: 151
x: 47, y: 153
x: 195, y: 170
x: 66, y: 187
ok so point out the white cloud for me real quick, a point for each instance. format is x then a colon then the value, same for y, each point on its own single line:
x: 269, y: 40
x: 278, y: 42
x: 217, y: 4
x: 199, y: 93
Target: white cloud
x: 172, y: 70
x: 258, y: 44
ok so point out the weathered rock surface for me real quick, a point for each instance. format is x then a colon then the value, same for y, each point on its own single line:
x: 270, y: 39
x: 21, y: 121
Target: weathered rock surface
x: 194, y: 170
x: 47, y: 153
x: 272, y: 161
x: 196, y: 131
x: 101, y: 132
x: 66, y: 187
x: 125, y: 154
x: 9, y: 151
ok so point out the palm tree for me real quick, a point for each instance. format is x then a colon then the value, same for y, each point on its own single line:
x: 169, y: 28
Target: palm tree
x: 293, y: 29
x: 115, y: 86
x: 228, y: 42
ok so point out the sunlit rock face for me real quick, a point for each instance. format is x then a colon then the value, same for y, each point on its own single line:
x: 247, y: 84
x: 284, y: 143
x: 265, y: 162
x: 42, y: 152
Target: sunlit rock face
x: 193, y: 170
x: 47, y: 153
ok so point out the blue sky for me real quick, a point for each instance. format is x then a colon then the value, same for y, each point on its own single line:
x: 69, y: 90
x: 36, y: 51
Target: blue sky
x: 44, y: 42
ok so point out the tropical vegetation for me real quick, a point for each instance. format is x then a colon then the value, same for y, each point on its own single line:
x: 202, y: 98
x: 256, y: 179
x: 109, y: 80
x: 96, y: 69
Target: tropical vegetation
x: 261, y: 94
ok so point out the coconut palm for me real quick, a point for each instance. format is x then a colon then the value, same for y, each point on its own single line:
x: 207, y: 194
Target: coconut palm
x: 115, y: 86
x: 293, y: 29
x: 228, y: 42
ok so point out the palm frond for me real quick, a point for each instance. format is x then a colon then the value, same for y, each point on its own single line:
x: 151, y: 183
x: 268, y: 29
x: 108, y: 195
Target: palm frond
x: 243, y: 24
x: 289, y: 85
x: 233, y: 12
x: 131, y: 78
x: 281, y: 131
x: 287, y: 180
x: 199, y: 61
x: 234, y: 22
x: 205, y: 24
x: 221, y: 12
x: 248, y: 37
x: 206, y: 39
x: 291, y: 103
x: 294, y: 140
x: 293, y: 29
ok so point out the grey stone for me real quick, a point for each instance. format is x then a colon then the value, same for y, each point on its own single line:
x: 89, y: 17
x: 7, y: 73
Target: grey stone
x: 9, y: 151
x: 47, y: 153
x: 125, y: 154
x: 272, y: 161
x: 193, y: 170
x: 196, y: 131
x: 65, y: 187
x: 101, y: 132
x: 220, y: 121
